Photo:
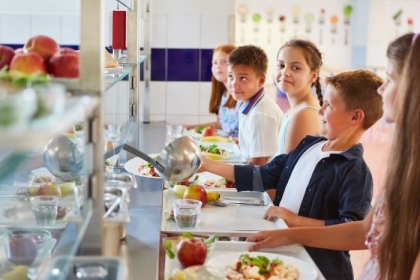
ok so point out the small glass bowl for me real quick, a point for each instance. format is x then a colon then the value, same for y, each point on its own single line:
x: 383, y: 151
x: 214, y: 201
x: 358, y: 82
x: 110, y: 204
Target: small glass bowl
x: 41, y: 236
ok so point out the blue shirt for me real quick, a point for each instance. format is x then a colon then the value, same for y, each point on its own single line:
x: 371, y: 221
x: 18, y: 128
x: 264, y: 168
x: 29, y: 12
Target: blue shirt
x: 228, y: 118
x: 340, y: 190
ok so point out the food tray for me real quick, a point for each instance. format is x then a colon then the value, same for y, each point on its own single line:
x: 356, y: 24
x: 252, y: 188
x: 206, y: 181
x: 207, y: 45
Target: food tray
x: 233, y: 220
x: 226, y: 247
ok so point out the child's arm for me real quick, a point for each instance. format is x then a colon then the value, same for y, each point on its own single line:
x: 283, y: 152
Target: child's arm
x: 220, y: 168
x: 258, y: 160
x: 415, y: 274
x: 348, y: 236
x: 290, y: 218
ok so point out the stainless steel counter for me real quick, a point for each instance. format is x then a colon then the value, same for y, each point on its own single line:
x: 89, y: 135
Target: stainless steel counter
x: 140, y: 251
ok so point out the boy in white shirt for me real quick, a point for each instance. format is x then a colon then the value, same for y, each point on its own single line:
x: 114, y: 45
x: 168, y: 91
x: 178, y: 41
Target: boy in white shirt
x: 259, y: 116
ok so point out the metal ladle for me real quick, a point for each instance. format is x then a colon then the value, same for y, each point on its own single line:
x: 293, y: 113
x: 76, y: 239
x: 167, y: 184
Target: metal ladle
x: 178, y: 161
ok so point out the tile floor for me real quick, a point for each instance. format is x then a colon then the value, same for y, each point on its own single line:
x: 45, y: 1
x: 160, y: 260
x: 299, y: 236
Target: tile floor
x: 376, y: 142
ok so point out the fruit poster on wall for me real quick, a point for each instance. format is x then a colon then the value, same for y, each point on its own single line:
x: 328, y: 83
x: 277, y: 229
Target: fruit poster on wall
x: 269, y: 24
x: 388, y: 20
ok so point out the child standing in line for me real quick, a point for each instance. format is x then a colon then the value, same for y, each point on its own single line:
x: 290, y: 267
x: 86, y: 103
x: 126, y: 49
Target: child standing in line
x: 221, y: 102
x: 325, y: 180
x: 298, y: 65
x: 391, y: 230
x: 259, y: 116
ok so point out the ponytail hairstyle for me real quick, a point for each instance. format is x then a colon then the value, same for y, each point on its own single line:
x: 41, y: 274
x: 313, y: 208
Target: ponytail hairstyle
x: 218, y: 88
x: 314, y: 59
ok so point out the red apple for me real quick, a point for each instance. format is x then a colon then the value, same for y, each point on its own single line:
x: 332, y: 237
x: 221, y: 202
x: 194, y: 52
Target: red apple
x: 45, y: 46
x: 28, y: 63
x: 49, y: 188
x: 196, y: 192
x: 191, y: 252
x: 64, y: 64
x: 6, y: 55
x: 208, y: 131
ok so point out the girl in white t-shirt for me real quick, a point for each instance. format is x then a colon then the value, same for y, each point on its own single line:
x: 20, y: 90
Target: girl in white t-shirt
x: 298, y: 64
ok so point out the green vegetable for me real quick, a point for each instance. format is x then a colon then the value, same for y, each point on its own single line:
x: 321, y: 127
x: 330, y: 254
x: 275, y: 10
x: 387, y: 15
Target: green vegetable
x: 149, y: 164
x: 78, y: 127
x: 199, y: 129
x: 262, y: 262
x: 167, y: 244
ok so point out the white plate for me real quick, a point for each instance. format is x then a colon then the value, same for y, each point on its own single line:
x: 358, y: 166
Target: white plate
x: 133, y: 165
x: 306, y: 271
x: 114, y: 70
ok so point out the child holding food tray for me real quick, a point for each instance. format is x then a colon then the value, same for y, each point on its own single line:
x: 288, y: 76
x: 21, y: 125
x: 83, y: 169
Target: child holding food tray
x: 391, y: 231
x: 221, y: 102
x: 325, y: 180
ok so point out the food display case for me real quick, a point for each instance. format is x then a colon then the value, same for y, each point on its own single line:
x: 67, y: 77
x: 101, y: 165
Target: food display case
x: 99, y: 108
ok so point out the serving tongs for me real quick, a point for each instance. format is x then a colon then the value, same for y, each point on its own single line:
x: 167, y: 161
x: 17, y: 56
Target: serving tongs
x: 229, y: 201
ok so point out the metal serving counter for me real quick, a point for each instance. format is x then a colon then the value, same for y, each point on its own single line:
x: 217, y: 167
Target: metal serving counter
x: 140, y: 251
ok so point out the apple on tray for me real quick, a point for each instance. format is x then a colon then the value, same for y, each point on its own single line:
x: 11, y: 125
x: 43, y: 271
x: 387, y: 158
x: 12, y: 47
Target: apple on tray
x: 64, y: 64
x: 191, y: 251
x: 6, y: 55
x: 45, y: 46
x: 28, y: 63
x: 208, y: 131
x: 196, y: 192
x: 50, y: 188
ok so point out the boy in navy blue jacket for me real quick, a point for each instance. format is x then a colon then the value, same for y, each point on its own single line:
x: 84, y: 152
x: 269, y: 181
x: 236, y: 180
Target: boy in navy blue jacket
x: 325, y: 180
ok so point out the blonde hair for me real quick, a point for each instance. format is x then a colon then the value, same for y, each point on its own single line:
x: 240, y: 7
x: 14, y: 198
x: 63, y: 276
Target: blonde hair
x: 400, y: 242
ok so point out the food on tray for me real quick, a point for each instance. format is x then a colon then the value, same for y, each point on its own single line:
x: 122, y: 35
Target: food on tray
x: 19, y: 272
x: 199, y: 129
x: 260, y: 267
x: 53, y: 188
x: 214, y: 152
x: 177, y: 275
x: 110, y: 62
x: 212, y: 196
x: 215, y: 139
x: 196, y: 192
x: 179, y: 190
x: 146, y: 169
x: 41, y: 178
x: 208, y: 131
x: 171, y: 244
x: 219, y: 183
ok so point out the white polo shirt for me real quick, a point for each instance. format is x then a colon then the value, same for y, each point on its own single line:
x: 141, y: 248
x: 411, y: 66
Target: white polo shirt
x: 259, y: 125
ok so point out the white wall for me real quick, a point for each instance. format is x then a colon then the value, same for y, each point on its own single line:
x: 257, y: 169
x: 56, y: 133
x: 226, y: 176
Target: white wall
x: 186, y: 24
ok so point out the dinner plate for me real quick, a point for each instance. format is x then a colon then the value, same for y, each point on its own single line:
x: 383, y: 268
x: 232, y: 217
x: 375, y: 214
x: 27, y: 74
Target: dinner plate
x: 306, y: 271
x: 133, y: 165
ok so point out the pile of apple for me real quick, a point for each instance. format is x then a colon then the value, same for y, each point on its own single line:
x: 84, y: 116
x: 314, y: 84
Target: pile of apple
x: 41, y: 54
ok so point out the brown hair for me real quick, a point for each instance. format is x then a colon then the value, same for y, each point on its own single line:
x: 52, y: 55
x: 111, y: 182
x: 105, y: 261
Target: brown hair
x: 251, y: 56
x: 400, y: 242
x: 218, y: 88
x: 358, y: 90
x: 313, y: 58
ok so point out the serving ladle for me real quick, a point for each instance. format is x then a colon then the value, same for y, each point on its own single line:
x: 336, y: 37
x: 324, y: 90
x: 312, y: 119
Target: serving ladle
x: 178, y: 161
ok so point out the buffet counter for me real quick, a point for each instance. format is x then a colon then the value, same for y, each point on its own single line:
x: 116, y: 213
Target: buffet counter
x: 140, y: 250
